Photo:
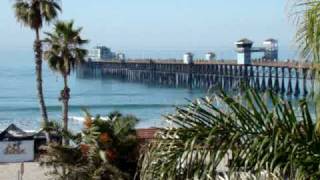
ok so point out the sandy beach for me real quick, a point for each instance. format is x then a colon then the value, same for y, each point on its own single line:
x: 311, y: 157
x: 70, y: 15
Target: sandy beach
x: 32, y: 171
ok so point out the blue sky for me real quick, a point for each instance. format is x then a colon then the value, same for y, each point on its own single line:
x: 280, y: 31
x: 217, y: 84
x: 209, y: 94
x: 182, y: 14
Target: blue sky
x: 163, y: 24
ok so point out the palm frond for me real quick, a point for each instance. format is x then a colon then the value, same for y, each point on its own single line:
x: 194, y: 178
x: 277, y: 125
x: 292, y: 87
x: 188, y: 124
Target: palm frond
x: 64, y: 50
x: 253, y: 135
x: 33, y: 13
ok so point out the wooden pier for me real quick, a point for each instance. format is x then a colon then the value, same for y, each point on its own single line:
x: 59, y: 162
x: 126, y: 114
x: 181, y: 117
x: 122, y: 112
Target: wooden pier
x: 286, y: 78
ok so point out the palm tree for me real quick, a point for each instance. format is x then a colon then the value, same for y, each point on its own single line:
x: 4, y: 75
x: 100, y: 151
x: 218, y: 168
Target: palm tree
x: 33, y: 13
x: 117, y: 137
x: 64, y: 52
x: 254, y: 136
x: 306, y: 14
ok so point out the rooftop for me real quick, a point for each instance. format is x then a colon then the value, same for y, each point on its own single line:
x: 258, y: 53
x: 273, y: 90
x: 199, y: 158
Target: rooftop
x: 146, y: 134
x: 244, y: 41
x: 13, y: 132
x: 271, y: 40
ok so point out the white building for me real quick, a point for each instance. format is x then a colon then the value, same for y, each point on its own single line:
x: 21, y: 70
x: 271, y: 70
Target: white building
x: 210, y: 56
x: 99, y: 53
x: 244, y: 47
x: 271, y: 49
x: 188, y: 58
x: 121, y: 57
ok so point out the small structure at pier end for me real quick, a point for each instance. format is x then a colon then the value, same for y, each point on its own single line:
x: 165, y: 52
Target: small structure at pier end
x: 188, y: 58
x: 121, y: 57
x: 244, y: 51
x: 210, y: 56
x: 270, y: 49
x: 101, y: 53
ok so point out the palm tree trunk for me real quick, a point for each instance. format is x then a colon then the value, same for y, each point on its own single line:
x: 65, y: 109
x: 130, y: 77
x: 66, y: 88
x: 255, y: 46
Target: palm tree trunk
x: 65, y: 96
x: 38, y: 62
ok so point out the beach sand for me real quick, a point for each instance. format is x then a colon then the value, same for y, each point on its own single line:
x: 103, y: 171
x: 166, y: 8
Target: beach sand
x: 32, y: 171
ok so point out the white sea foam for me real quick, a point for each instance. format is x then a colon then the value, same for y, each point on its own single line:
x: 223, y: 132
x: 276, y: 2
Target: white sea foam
x: 76, y: 118
x: 81, y: 119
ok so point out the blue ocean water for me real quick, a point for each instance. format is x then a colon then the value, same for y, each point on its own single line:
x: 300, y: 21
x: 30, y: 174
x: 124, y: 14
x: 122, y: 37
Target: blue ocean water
x: 19, y: 105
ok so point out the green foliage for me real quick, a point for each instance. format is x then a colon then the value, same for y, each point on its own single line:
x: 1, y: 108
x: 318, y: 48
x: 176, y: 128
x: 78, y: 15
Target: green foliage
x: 64, y: 49
x: 106, y: 149
x: 274, y: 139
x: 306, y: 14
x: 33, y: 13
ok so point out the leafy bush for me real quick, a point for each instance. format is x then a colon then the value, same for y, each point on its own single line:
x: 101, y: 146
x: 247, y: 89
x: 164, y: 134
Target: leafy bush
x: 106, y: 149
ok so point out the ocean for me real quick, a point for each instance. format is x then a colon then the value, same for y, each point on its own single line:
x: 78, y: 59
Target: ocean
x: 19, y: 104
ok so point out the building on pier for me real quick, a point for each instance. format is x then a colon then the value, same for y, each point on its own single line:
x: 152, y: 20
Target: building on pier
x: 121, y: 57
x: 270, y: 49
x: 101, y: 53
x: 188, y: 58
x: 243, y: 48
x: 210, y: 56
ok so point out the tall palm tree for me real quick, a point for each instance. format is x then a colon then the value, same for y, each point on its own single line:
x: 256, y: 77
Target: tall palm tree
x: 33, y: 14
x: 64, y: 52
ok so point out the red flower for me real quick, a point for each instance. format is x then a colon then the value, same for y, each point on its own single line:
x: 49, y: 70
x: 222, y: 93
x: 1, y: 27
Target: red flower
x: 111, y: 154
x: 104, y: 137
